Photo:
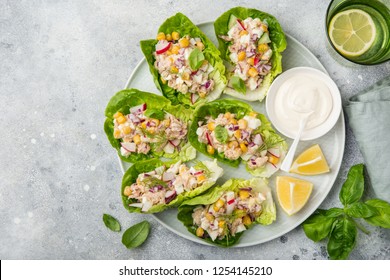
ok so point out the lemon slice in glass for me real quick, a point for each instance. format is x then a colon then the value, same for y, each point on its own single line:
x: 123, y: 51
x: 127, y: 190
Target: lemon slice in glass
x: 352, y: 32
x: 311, y: 162
x: 292, y: 193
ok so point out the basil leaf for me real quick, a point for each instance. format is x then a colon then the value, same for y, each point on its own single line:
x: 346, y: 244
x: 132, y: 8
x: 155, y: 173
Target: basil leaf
x: 238, y: 84
x: 111, y: 223
x: 361, y: 210
x: 318, y: 225
x: 136, y: 235
x: 353, y: 187
x: 342, y: 239
x: 221, y: 134
x: 155, y: 114
x: 334, y: 212
x: 196, y: 59
x: 383, y: 218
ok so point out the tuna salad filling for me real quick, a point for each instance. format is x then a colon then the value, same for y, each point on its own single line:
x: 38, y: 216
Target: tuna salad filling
x: 139, y: 132
x: 163, y: 185
x: 181, y: 63
x: 238, y: 138
x: 250, y: 53
x: 232, y: 213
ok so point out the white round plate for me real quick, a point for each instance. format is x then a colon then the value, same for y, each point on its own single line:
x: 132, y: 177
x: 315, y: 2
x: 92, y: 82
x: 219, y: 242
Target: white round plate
x: 315, y: 132
x: 332, y: 145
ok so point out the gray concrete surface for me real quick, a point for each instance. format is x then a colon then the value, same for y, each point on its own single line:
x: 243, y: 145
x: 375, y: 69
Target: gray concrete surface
x: 60, y: 62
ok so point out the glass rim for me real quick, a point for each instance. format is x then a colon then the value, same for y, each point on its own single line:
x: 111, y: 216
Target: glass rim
x: 334, y: 48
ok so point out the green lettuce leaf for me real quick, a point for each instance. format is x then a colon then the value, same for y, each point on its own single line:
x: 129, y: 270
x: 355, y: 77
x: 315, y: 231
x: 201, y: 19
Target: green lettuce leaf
x: 214, y: 109
x: 241, y: 109
x: 184, y: 26
x: 137, y: 168
x: 278, y: 45
x: 123, y: 100
x: 267, y: 216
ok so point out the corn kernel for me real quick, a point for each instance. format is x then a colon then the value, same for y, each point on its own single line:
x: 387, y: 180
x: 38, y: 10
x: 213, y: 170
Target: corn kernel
x: 253, y: 114
x: 233, y: 121
x: 216, y: 209
x: 246, y: 220
x: 137, y: 139
x: 220, y: 203
x: 166, y: 122
x: 264, y: 27
x: 127, y: 191
x: 169, y: 53
x: 252, y: 72
x: 174, y: 69
x: 241, y: 56
x: 199, y: 232
x: 202, y: 94
x: 233, y: 144
x: 242, y: 124
x: 185, y: 76
x: 244, y: 194
x: 168, y: 37
x: 237, y: 134
x: 210, y: 149
x: 221, y: 224
x: 201, y: 178
x: 175, y: 49
x: 211, y: 126
x: 117, y: 133
x: 175, y: 35
x: 151, y: 130
x: 262, y: 48
x: 156, y: 121
x: 163, y: 80
x: 121, y: 120
x: 161, y: 36
x: 243, y: 147
x: 126, y: 130
x: 272, y: 159
x: 143, y: 125
x: 184, y: 42
x: 117, y: 115
x: 200, y: 45
x: 243, y: 32
x: 228, y: 115
x: 209, y: 217
x: 251, y: 61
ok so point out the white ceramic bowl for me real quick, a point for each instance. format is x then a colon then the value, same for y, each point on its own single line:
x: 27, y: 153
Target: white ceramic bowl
x: 318, y: 131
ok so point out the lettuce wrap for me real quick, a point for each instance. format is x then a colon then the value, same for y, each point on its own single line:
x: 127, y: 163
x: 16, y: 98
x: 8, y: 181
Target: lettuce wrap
x: 221, y: 215
x: 230, y: 131
x: 267, y: 64
x: 180, y: 24
x: 152, y: 186
x: 157, y: 108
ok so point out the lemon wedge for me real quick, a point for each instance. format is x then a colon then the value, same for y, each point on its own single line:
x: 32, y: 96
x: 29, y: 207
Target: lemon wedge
x: 310, y: 162
x: 292, y: 193
x: 352, y: 32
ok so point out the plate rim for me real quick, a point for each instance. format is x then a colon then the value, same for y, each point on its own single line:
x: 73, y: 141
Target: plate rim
x: 303, y: 218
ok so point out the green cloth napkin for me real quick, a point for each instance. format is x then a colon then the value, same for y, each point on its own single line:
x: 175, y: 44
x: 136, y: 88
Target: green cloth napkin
x: 369, y: 118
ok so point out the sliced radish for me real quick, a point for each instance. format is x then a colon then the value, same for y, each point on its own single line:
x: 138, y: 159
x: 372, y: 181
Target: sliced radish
x: 169, y: 148
x: 275, y: 152
x: 198, y: 173
x: 138, y: 205
x: 240, y: 228
x: 194, y: 97
x: 241, y: 24
x: 147, y: 205
x: 130, y: 147
x: 208, y: 138
x: 124, y: 152
x: 256, y: 60
x: 168, y: 176
x: 257, y: 139
x: 162, y: 47
x: 138, y: 109
x: 175, y: 142
x: 169, y: 196
x: 231, y: 201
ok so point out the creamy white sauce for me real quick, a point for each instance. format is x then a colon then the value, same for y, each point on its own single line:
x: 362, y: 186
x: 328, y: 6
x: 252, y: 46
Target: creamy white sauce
x: 300, y: 95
